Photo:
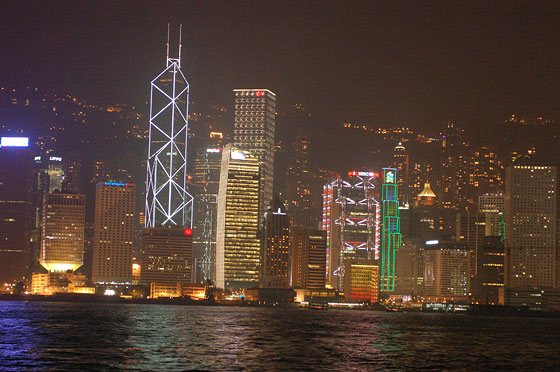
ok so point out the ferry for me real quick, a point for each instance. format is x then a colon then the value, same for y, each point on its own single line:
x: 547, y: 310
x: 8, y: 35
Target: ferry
x: 394, y: 308
x: 318, y: 305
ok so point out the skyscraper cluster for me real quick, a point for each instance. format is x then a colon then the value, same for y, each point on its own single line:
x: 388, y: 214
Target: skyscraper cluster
x: 428, y: 219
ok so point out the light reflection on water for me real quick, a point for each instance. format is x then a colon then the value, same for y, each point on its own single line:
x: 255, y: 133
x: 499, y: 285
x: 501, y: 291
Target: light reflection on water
x: 70, y: 336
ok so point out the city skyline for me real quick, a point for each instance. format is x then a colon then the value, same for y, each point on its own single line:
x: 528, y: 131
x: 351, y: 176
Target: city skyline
x: 394, y: 163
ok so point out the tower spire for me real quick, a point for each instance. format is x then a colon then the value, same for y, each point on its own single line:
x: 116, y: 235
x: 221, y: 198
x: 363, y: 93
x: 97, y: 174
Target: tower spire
x: 167, y: 56
x: 180, y: 44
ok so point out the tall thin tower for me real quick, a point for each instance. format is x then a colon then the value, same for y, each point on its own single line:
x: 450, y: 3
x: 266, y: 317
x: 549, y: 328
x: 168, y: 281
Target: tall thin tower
x: 391, y: 238
x: 167, y: 199
x: 255, y: 118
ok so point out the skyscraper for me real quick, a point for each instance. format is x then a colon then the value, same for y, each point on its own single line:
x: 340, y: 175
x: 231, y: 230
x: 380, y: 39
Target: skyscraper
x: 391, y: 238
x: 113, y: 232
x: 49, y: 173
x: 309, y: 253
x: 205, y: 182
x: 400, y: 162
x: 530, y: 210
x: 445, y: 269
x: 492, y: 208
x: 470, y: 229
x: 299, y: 182
x: 361, y: 280
x: 352, y: 218
x: 166, y: 255
x: 167, y: 199
x: 255, y: 117
x: 409, y: 267
x: 16, y: 211
x: 275, y: 252
x: 454, y: 168
x: 62, y: 243
x: 47, y: 177
x: 485, y: 286
x: 237, y: 241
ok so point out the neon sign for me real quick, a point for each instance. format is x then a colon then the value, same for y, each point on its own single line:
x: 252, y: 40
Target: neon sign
x: 236, y: 155
x: 390, y: 177
x: 363, y: 174
x: 14, y: 142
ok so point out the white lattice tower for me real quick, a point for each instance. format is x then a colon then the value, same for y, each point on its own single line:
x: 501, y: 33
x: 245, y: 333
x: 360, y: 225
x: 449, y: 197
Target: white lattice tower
x: 167, y: 199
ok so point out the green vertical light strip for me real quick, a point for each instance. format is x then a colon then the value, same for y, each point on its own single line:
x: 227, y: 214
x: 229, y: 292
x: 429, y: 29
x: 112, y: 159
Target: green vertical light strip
x: 391, y: 237
x: 502, y: 229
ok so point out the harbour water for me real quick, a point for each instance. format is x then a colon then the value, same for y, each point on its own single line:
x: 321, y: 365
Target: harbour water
x: 46, y: 336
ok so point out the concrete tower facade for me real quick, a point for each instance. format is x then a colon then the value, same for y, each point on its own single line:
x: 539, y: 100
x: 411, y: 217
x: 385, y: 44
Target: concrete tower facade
x: 16, y: 210
x: 309, y: 248
x: 530, y: 209
x: 275, y: 253
x: 62, y: 243
x: 205, y: 182
x: 255, y: 118
x: 237, y: 241
x: 113, y: 233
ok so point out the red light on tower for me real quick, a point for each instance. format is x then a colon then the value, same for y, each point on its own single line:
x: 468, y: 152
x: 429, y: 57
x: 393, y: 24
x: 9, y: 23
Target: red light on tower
x: 188, y: 232
x: 259, y: 93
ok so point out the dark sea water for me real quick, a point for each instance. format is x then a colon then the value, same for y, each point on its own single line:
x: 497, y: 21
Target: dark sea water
x: 39, y: 336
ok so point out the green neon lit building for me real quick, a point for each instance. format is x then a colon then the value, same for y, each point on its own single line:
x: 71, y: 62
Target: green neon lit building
x: 391, y: 238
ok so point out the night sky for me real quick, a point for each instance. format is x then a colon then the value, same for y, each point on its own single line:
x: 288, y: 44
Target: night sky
x: 380, y: 63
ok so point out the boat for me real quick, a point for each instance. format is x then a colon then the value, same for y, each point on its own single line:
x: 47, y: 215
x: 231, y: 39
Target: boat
x: 318, y: 305
x: 394, y: 308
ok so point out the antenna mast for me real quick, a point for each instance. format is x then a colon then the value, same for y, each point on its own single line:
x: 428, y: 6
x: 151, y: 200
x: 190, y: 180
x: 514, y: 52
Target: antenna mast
x: 180, y: 44
x: 167, y: 57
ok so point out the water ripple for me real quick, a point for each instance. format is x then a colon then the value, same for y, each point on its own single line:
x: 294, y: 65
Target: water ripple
x: 37, y: 336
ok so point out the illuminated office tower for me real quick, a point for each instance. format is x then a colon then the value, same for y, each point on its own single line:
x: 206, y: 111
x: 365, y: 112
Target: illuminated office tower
x: 424, y: 217
x: 49, y: 173
x: 489, y: 279
x: 492, y: 207
x: 255, y: 117
x: 418, y: 174
x: 530, y: 210
x: 167, y: 199
x: 470, y: 229
x: 237, y: 240
x: 361, y: 281
x: 275, y: 253
x: 113, y: 234
x: 409, y: 267
x: 309, y: 253
x: 391, y: 239
x: 16, y: 209
x: 48, y: 176
x: 299, y: 183
x: 400, y: 162
x: 445, y: 269
x: 62, y: 242
x: 454, y: 168
x: 351, y: 217
x: 205, y: 182
x: 166, y: 255
x: 70, y: 183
